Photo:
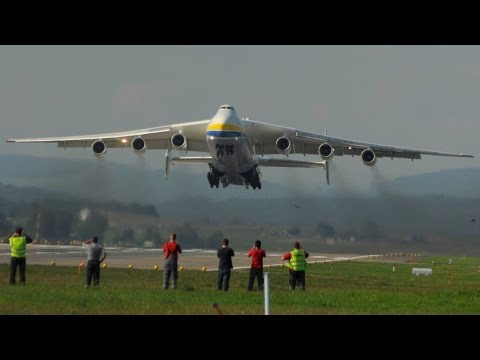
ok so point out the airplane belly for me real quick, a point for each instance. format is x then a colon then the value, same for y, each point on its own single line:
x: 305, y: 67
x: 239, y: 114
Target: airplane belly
x: 230, y: 156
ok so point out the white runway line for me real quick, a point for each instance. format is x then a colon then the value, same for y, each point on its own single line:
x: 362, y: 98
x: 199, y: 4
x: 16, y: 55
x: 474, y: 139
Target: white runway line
x: 326, y: 259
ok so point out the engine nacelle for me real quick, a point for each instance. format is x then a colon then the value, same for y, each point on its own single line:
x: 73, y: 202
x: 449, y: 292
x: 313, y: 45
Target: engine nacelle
x: 139, y: 145
x: 179, y: 142
x: 368, y: 157
x: 326, y: 151
x: 99, y: 148
x: 284, y: 146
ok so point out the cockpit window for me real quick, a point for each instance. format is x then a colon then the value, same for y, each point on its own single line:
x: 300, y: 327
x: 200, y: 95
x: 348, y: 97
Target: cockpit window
x: 226, y: 107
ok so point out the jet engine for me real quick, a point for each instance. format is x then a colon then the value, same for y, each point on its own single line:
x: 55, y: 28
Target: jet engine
x: 139, y: 145
x: 368, y: 157
x: 284, y: 146
x: 326, y: 151
x: 179, y: 142
x: 99, y: 148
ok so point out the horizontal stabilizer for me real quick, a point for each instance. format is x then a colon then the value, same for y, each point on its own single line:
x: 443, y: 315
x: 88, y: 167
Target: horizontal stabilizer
x: 275, y: 162
x: 191, y: 160
x: 289, y: 163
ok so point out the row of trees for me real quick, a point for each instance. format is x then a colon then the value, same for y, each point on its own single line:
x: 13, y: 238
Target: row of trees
x: 56, y: 224
x: 368, y: 230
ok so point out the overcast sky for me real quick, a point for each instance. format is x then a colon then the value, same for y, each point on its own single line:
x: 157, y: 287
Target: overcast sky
x: 419, y: 96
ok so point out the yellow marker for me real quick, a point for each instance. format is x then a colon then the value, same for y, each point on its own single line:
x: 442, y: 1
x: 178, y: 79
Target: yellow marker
x: 204, y: 268
x: 155, y: 267
x: 52, y: 263
x: 130, y: 266
x: 104, y: 265
x: 181, y: 268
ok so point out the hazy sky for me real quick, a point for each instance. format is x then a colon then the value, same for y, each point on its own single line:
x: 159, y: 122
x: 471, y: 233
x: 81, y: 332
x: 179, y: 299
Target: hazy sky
x: 419, y: 96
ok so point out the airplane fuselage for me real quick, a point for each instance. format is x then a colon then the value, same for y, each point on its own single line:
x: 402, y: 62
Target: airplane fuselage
x: 232, y: 162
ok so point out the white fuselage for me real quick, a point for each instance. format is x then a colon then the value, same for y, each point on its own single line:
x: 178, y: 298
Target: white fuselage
x: 229, y: 146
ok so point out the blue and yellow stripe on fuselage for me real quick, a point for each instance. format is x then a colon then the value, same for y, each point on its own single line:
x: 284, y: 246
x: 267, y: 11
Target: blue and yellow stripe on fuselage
x: 225, y: 130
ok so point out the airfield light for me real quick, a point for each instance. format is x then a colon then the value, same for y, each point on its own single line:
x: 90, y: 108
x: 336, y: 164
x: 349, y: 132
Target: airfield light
x: 52, y: 263
x: 130, y: 266
x: 104, y: 265
x: 204, y: 268
x: 155, y: 267
x: 181, y: 268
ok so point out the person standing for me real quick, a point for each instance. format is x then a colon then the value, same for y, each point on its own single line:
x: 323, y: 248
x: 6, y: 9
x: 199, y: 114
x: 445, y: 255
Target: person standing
x: 256, y: 270
x: 170, y: 269
x: 297, y: 264
x: 225, y: 265
x: 95, y: 256
x: 18, y: 247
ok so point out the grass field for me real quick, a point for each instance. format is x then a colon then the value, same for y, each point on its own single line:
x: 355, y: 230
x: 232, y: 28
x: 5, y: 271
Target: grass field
x: 348, y: 288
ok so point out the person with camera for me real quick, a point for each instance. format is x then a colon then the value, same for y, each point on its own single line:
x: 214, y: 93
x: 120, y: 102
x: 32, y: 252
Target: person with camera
x: 18, y: 247
x: 296, y: 263
x: 225, y: 265
x: 95, y: 256
x: 170, y: 268
x: 256, y: 270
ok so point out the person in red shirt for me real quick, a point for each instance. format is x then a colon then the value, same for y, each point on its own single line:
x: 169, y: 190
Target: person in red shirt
x: 256, y: 270
x: 170, y: 270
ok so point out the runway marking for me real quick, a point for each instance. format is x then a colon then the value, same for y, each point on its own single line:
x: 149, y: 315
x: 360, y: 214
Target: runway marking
x: 327, y: 259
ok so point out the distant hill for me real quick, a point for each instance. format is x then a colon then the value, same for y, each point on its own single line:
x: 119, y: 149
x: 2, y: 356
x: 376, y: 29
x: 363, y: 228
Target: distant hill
x: 105, y: 180
x: 456, y: 182
x: 436, y: 210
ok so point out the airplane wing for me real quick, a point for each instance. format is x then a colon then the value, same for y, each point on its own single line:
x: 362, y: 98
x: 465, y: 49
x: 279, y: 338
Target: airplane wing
x: 263, y: 137
x: 155, y: 138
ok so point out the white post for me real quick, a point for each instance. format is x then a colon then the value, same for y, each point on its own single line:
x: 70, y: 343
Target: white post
x: 266, y: 290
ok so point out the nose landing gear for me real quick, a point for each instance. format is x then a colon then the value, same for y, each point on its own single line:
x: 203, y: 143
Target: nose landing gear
x: 213, y: 177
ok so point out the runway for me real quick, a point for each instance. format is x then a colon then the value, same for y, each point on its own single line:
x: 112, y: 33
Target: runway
x: 142, y: 258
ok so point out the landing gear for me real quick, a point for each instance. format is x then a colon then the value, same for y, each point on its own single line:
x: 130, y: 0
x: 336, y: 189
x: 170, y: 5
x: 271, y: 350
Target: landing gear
x: 213, y: 181
x: 213, y: 177
x: 252, y: 178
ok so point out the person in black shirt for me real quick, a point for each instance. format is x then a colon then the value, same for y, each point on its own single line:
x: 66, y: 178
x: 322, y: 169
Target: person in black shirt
x: 225, y: 265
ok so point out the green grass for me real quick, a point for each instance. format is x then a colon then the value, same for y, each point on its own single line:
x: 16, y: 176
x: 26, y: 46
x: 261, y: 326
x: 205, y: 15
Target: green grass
x: 349, y: 288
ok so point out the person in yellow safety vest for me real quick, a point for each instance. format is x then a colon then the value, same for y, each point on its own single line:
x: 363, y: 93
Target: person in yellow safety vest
x: 18, y: 247
x: 296, y: 262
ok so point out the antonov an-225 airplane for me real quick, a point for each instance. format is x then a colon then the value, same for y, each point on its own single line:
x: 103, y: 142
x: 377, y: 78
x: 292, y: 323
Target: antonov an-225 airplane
x: 236, y: 146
